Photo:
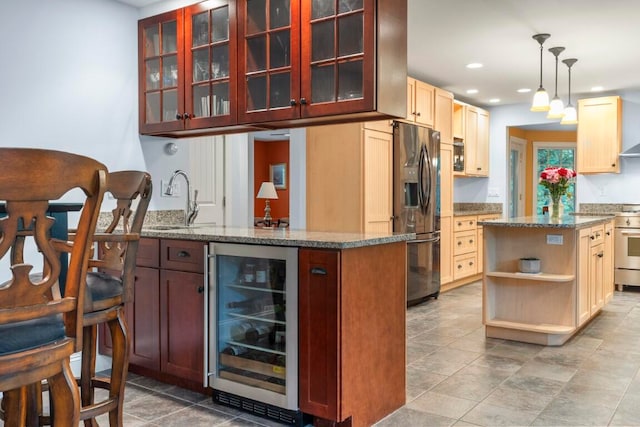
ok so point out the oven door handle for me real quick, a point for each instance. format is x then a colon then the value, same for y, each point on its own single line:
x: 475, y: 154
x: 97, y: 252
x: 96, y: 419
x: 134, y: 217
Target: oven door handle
x: 629, y: 233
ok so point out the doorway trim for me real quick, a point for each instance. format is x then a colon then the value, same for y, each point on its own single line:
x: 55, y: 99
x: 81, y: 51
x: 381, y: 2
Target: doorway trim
x: 519, y: 145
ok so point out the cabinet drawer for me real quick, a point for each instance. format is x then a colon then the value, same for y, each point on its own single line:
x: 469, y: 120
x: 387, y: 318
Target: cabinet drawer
x: 464, y: 223
x: 464, y: 242
x: 464, y: 265
x: 597, y: 235
x: 148, y: 253
x: 182, y: 255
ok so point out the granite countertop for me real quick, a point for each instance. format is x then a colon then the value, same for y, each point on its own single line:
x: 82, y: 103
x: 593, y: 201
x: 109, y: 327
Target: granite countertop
x: 475, y: 212
x: 465, y: 208
x: 544, y: 221
x: 274, y: 236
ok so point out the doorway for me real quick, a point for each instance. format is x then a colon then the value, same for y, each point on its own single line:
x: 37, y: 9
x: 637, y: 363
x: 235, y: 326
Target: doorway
x: 546, y: 154
x: 517, y: 167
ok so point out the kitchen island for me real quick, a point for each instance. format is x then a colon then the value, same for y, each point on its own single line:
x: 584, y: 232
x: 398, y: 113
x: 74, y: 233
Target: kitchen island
x: 574, y: 282
x: 351, y: 315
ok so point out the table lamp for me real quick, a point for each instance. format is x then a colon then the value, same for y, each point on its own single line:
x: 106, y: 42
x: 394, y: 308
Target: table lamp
x: 267, y: 191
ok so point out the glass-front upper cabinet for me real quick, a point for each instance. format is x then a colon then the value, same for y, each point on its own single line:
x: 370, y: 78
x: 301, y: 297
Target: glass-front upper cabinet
x: 269, y: 60
x: 338, y: 65
x: 210, y: 62
x: 161, y: 93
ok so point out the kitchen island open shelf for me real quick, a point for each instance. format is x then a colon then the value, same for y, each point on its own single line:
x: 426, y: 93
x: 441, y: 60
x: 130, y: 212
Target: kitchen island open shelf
x: 545, y: 308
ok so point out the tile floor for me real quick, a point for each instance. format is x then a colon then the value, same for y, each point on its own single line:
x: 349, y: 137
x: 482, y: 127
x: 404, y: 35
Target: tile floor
x: 456, y: 377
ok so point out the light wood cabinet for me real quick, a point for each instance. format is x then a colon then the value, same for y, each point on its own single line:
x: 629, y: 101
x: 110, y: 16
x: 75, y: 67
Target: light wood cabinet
x: 476, y: 141
x: 458, y: 120
x: 467, y: 245
x: 420, y: 102
x: 547, y: 307
x: 446, y: 213
x: 443, y: 115
x: 599, y: 135
x: 608, y: 264
x: 349, y: 178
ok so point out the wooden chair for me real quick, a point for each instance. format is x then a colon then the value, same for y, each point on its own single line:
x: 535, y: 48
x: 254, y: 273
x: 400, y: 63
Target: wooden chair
x: 108, y: 289
x: 40, y: 320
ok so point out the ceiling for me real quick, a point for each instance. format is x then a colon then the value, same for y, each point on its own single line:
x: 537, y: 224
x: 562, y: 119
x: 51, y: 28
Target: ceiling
x: 446, y: 35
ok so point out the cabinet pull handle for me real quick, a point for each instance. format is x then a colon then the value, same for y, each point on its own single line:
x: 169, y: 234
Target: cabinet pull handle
x: 319, y: 271
x: 293, y: 102
x: 479, y: 169
x: 184, y: 254
x: 303, y: 101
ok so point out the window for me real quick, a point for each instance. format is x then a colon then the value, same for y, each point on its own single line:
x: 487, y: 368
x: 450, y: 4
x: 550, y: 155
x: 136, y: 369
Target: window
x: 553, y: 154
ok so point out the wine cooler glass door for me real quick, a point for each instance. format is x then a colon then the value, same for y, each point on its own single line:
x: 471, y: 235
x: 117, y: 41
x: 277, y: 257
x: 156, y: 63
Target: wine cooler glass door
x: 253, y: 323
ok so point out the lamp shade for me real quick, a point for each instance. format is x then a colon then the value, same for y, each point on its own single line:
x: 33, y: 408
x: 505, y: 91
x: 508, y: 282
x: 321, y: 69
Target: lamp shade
x: 570, y: 116
x: 540, y: 101
x: 267, y: 191
x: 556, y: 109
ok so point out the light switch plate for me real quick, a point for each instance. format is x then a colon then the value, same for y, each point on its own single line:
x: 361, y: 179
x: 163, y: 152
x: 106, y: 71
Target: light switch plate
x: 554, y: 239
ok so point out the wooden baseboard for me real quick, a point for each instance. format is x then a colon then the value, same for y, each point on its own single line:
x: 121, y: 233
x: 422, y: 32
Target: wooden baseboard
x: 460, y: 282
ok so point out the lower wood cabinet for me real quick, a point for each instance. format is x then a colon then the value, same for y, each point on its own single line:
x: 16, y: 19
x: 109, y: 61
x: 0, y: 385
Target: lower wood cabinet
x: 166, y: 318
x: 352, y: 353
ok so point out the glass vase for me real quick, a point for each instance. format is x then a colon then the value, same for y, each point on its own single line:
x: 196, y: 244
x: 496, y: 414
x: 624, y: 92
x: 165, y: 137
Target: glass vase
x: 556, y: 206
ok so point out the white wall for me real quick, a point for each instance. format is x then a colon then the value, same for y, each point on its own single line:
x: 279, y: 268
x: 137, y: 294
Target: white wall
x: 601, y: 188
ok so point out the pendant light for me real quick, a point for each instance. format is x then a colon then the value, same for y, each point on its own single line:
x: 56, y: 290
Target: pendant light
x: 570, y: 114
x: 556, y: 107
x: 541, y: 98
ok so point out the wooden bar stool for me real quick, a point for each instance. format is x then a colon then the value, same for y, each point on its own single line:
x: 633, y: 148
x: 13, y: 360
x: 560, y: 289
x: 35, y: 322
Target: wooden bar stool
x: 40, y: 327
x: 108, y: 289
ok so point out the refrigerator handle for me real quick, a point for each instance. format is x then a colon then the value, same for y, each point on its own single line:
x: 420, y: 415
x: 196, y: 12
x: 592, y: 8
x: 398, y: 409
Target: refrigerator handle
x: 431, y: 240
x: 420, y: 175
x: 426, y: 196
x: 205, y: 379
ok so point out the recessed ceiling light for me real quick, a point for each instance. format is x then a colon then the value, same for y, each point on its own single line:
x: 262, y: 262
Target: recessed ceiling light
x: 472, y: 91
x: 494, y: 100
x: 524, y: 90
x: 597, y: 89
x: 474, y: 65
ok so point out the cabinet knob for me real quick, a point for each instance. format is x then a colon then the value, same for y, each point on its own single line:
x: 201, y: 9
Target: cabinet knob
x: 608, y: 233
x: 293, y: 102
x: 178, y: 116
x: 183, y: 254
x: 471, y: 241
x: 200, y: 289
x: 613, y: 165
x: 600, y: 255
x: 459, y: 266
x: 459, y: 243
x: 303, y: 101
x: 459, y: 224
x: 470, y: 262
x: 418, y: 114
x: 592, y: 237
x: 479, y: 169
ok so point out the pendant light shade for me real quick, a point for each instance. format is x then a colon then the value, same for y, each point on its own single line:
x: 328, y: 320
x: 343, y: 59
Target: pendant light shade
x: 570, y: 114
x: 556, y: 107
x: 541, y: 98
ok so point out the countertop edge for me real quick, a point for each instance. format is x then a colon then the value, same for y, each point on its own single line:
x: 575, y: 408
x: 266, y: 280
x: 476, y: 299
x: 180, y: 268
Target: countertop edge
x: 567, y: 221
x: 279, y: 237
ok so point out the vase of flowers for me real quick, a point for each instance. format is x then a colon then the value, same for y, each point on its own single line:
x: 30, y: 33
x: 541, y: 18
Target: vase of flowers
x: 556, y: 180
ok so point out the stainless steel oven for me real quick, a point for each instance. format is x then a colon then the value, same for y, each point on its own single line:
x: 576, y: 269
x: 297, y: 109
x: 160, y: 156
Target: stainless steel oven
x: 627, y: 246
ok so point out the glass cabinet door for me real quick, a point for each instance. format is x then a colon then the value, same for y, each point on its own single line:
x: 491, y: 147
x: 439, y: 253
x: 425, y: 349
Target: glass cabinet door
x: 339, y: 34
x: 269, y: 60
x: 161, y: 93
x: 210, y: 61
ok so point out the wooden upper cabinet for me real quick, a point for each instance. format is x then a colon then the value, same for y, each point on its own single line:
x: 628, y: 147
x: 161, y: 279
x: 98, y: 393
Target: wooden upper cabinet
x: 161, y: 72
x: 443, y: 115
x: 599, y: 135
x: 304, y: 60
x: 476, y: 141
x: 420, y: 102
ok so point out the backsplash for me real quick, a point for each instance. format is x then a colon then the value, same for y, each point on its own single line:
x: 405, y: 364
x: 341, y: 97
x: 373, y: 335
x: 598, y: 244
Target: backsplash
x: 600, y: 208
x: 477, y: 208
x: 152, y: 218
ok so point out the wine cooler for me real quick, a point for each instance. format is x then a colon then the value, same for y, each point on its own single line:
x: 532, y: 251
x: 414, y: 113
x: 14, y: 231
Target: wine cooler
x: 252, y: 329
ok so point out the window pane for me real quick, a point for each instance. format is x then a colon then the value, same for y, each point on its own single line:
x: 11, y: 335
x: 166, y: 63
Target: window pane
x: 279, y: 54
x: 169, y: 105
x: 153, y: 73
x: 152, y: 41
x: 201, y: 65
x: 256, y: 54
x: 220, y: 24
x: 350, y: 80
x: 280, y: 90
x: 220, y: 62
x: 322, y: 40
x: 200, y: 29
x: 170, y: 71
x: 220, y: 102
x: 169, y: 37
x: 256, y: 16
x: 201, y: 101
x: 322, y: 8
x: 349, y: 5
x: 323, y: 84
x: 279, y: 14
x: 350, y: 34
x: 256, y: 93
x: 153, y: 107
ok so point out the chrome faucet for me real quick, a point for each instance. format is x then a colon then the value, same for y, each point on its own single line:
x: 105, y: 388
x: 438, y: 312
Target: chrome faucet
x: 191, y: 211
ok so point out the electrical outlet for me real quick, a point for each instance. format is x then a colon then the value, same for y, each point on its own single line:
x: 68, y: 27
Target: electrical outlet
x: 554, y: 239
x: 175, y: 187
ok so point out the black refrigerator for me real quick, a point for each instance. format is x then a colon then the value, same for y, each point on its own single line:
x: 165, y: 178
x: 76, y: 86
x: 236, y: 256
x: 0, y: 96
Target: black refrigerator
x: 416, y: 205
